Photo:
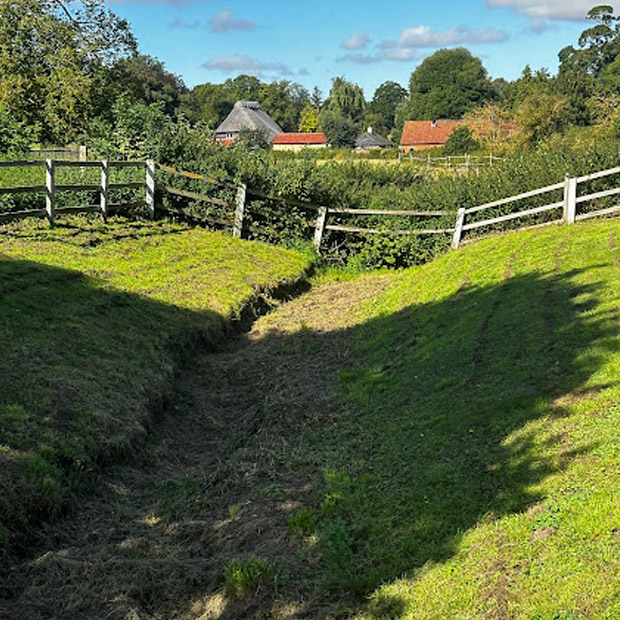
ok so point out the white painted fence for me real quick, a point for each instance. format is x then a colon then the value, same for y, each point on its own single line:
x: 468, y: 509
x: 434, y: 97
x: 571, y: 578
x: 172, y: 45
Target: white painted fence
x: 568, y: 207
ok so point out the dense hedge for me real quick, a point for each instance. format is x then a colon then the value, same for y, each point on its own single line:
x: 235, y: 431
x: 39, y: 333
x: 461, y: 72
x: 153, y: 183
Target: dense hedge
x: 354, y: 184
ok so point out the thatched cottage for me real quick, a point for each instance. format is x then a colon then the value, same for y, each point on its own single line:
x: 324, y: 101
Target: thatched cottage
x: 249, y: 116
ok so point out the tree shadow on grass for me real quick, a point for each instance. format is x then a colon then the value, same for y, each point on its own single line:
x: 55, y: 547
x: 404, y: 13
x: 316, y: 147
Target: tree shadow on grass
x: 436, y: 434
x: 82, y: 370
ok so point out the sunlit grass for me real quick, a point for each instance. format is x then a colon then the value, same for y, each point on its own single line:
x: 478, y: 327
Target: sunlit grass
x: 474, y: 472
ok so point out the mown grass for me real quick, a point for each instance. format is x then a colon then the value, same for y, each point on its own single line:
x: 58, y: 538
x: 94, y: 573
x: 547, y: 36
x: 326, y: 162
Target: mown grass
x: 95, y: 319
x: 465, y: 464
x: 473, y: 472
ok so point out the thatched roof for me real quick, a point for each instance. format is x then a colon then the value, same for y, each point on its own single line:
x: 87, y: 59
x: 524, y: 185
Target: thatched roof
x: 370, y: 139
x: 249, y: 115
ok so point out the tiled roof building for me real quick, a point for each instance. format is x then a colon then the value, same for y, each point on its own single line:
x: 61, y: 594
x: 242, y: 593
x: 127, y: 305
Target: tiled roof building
x: 421, y: 135
x: 298, y: 141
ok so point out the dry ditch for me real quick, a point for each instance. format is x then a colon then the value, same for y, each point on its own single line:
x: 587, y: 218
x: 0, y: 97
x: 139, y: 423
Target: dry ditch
x: 216, y: 481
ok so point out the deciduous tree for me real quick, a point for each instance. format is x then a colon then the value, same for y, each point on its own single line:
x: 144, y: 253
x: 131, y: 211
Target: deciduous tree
x: 309, y: 119
x: 340, y: 131
x: 346, y: 99
x: 447, y: 85
x: 384, y: 102
x: 540, y: 115
x: 53, y: 60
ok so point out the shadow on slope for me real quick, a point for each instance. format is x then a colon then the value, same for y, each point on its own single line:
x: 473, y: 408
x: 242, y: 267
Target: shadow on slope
x: 432, y: 438
x: 82, y: 369
x: 436, y: 436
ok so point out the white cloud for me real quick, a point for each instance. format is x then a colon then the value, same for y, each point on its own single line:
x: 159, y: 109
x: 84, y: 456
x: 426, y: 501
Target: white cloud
x: 181, y: 23
x: 401, y: 54
x: 551, y: 9
x: 396, y: 54
x: 424, y: 36
x: 411, y: 40
x: 362, y: 59
x: 539, y: 25
x: 356, y: 41
x: 240, y: 63
x: 224, y: 21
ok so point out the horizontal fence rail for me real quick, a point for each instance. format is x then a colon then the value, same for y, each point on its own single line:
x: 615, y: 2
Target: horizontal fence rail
x: 452, y: 161
x: 235, y: 203
x: 52, y: 188
x: 568, y: 205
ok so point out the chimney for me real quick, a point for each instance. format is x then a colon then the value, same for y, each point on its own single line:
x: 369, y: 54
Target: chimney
x: 369, y: 129
x: 433, y: 123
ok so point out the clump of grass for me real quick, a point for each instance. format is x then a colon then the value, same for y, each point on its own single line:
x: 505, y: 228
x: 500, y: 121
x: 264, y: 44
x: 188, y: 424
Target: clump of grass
x: 243, y: 577
x: 234, y: 510
x: 302, y: 522
x: 336, y: 545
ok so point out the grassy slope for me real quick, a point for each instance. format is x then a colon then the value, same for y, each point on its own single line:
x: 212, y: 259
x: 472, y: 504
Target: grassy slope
x: 475, y: 469
x: 95, y: 319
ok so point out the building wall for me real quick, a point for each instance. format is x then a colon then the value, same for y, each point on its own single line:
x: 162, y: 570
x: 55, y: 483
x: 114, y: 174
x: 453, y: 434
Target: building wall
x: 295, y: 148
x: 419, y: 147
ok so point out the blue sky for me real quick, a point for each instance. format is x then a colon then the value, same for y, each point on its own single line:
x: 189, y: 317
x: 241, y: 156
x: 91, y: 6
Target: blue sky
x: 368, y: 42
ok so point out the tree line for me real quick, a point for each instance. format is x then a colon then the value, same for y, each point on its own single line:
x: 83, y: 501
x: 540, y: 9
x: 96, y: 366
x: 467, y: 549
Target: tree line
x: 71, y: 70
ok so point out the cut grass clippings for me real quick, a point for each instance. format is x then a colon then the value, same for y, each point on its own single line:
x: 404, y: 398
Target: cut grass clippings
x: 95, y: 320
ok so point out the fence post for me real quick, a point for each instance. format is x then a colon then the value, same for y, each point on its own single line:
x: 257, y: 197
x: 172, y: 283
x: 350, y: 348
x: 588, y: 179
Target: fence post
x: 319, y: 227
x: 570, y: 199
x: 458, y: 228
x: 240, y: 211
x: 50, y: 190
x: 83, y: 153
x: 150, y: 188
x: 105, y: 188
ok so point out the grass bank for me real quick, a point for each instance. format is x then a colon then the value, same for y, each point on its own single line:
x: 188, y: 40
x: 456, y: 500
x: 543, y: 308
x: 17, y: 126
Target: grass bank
x: 440, y: 442
x: 474, y: 471
x: 95, y: 321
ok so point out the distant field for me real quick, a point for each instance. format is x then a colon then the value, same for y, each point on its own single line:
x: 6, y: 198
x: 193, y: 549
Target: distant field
x: 94, y: 321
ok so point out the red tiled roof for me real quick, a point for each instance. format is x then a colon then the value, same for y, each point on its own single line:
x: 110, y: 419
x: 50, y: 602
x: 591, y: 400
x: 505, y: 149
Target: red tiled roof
x: 300, y: 138
x: 423, y: 132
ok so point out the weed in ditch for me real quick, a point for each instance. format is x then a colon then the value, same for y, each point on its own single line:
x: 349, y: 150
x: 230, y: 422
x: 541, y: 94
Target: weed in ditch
x: 243, y: 577
x: 302, y: 522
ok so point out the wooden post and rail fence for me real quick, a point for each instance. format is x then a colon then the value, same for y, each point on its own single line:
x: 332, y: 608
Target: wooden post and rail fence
x: 466, y: 162
x: 467, y: 219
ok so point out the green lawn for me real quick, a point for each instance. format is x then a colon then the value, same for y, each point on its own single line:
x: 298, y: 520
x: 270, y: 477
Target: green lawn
x: 94, y: 321
x: 474, y: 471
